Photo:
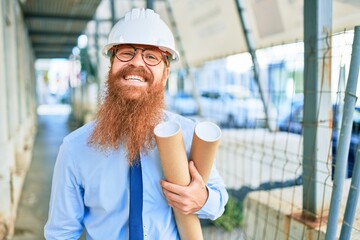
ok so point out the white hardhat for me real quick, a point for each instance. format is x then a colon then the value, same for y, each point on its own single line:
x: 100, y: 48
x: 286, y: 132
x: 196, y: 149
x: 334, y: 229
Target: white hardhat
x: 142, y: 26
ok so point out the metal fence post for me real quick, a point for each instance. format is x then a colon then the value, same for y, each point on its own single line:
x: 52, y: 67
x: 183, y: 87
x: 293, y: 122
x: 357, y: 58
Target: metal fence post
x: 317, y: 107
x: 352, y: 201
x: 344, y: 138
x: 247, y: 31
x: 181, y: 50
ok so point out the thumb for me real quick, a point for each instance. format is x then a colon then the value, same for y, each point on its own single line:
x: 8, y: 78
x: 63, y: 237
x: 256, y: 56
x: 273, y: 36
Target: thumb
x: 193, y: 171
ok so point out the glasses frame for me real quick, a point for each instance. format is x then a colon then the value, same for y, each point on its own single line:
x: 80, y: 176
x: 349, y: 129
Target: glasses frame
x: 164, y: 57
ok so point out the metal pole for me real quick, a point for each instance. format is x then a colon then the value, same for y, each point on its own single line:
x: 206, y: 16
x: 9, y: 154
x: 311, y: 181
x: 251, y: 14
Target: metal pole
x: 113, y: 12
x: 352, y: 201
x: 341, y: 96
x: 344, y: 138
x: 97, y: 75
x: 251, y: 49
x: 150, y: 4
x: 317, y: 115
x: 182, y: 53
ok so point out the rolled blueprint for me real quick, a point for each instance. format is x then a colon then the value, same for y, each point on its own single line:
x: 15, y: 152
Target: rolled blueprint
x: 170, y: 143
x: 204, y: 147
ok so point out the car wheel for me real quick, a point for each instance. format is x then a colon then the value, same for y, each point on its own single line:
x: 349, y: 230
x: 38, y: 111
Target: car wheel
x: 231, y: 122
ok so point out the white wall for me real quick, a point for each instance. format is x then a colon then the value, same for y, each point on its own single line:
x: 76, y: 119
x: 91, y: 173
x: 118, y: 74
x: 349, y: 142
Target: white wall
x: 17, y: 107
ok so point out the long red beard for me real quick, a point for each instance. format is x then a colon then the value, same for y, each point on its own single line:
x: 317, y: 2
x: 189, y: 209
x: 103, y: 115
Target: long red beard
x: 128, y: 120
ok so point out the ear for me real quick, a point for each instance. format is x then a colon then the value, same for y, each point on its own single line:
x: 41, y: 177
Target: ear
x: 165, y: 75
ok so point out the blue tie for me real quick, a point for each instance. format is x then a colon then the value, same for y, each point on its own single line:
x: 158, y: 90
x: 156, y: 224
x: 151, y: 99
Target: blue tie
x: 136, y: 202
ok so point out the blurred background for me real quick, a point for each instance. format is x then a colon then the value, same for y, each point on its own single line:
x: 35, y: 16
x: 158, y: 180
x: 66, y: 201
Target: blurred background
x: 278, y: 76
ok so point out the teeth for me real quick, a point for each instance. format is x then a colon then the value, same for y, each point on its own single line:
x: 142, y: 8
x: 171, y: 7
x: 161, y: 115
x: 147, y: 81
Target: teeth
x: 134, y: 78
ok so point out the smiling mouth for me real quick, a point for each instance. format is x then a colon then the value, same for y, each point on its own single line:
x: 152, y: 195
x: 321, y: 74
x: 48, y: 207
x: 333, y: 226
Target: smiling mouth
x: 134, y: 78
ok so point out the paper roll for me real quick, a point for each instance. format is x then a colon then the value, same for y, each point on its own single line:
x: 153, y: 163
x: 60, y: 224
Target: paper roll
x: 204, y: 147
x: 174, y: 161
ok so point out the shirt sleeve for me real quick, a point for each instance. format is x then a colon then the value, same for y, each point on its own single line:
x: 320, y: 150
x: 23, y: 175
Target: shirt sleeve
x: 66, y: 208
x: 217, y: 199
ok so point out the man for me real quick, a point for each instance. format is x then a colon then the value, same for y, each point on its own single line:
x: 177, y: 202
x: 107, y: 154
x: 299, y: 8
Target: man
x: 93, y: 170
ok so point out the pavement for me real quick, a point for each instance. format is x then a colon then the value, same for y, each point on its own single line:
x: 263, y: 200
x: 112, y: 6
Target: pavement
x: 34, y: 203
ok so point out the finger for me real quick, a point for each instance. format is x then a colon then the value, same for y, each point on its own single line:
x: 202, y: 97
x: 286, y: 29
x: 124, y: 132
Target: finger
x: 193, y: 171
x: 170, y: 196
x: 177, y: 189
x: 174, y: 200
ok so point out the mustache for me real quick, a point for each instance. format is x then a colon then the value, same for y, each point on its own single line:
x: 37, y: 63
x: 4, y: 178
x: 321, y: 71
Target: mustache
x: 132, y: 70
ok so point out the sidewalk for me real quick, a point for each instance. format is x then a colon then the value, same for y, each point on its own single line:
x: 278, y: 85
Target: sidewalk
x: 34, y: 203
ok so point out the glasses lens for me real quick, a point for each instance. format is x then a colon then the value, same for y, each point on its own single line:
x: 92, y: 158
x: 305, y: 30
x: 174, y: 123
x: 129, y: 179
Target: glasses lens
x: 125, y: 53
x: 152, y: 57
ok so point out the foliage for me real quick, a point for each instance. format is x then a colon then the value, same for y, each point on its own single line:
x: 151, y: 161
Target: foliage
x: 233, y: 215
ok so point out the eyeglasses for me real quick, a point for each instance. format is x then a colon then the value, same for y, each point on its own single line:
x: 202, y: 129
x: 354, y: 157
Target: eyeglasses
x: 150, y: 56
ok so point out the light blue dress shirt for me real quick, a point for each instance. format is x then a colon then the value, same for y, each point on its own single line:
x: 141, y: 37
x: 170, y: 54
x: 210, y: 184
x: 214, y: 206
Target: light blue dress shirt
x: 90, y: 191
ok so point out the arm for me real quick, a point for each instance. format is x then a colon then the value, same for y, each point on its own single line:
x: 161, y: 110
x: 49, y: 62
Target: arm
x: 66, y: 202
x: 208, y: 201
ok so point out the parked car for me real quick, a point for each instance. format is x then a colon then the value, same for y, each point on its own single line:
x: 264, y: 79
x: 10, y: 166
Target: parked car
x: 294, y: 120
x: 228, y: 110
x: 183, y: 103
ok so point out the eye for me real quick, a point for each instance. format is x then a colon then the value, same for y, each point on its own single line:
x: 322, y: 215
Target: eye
x: 152, y: 55
x: 126, y: 53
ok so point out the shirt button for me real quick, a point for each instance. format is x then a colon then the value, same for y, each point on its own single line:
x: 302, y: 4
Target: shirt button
x: 145, y: 234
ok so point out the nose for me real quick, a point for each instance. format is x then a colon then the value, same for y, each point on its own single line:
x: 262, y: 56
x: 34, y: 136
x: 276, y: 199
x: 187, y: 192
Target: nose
x: 138, y: 58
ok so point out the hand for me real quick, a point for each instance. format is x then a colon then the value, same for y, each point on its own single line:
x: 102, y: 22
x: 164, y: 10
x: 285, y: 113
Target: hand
x: 187, y: 199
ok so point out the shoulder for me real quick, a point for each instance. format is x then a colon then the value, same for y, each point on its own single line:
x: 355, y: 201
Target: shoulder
x: 81, y: 132
x: 80, y: 135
